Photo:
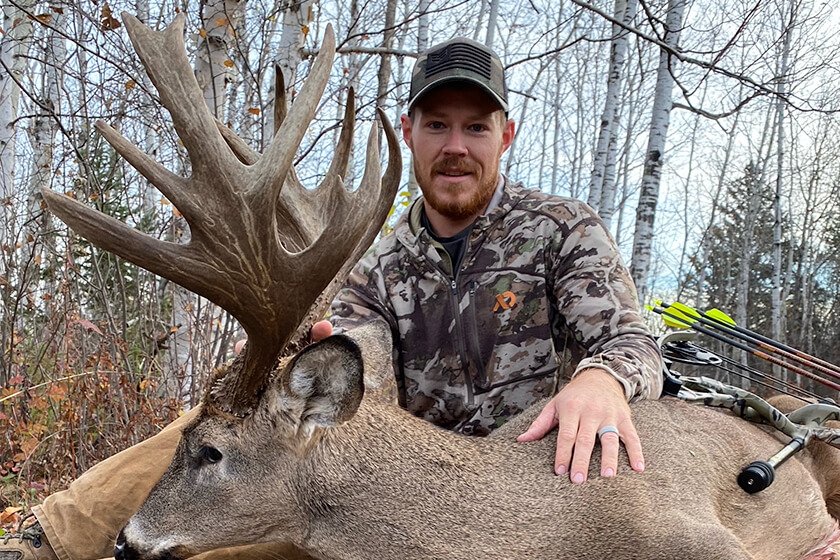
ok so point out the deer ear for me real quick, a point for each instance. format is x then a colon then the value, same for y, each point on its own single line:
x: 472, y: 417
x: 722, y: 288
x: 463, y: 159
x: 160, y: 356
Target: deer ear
x: 329, y: 377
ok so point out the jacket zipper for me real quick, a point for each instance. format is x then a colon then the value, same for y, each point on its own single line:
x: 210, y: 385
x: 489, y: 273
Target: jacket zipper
x: 462, y: 350
x: 481, y: 373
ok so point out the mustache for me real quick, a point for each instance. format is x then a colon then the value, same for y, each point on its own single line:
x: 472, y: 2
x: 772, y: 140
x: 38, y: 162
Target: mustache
x: 452, y: 164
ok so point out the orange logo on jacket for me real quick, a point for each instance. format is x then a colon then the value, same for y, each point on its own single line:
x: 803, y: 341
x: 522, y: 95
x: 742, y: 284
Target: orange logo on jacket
x: 505, y: 301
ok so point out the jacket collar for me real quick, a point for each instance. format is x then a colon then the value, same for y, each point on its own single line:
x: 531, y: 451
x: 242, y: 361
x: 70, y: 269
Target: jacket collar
x: 414, y: 236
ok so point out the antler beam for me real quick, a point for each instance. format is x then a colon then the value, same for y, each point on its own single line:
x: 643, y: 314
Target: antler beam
x: 262, y: 246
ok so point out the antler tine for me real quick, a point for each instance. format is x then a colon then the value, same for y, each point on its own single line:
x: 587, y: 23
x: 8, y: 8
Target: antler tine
x: 165, y: 59
x: 266, y: 273
x: 303, y: 209
x: 277, y: 160
x: 388, y: 187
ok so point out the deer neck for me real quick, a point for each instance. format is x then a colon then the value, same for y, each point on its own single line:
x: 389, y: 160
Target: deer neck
x: 388, y: 485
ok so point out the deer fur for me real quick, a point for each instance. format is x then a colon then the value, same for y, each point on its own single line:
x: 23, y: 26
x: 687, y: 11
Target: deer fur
x: 386, y: 485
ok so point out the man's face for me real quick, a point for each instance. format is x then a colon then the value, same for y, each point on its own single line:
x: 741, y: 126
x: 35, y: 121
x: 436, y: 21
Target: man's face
x: 457, y: 135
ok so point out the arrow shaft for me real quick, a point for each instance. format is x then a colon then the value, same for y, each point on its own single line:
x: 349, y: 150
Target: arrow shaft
x: 728, y: 329
x: 802, y: 357
x: 755, y: 372
x: 758, y: 353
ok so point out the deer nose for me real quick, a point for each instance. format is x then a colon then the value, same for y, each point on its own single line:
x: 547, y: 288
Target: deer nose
x: 124, y: 551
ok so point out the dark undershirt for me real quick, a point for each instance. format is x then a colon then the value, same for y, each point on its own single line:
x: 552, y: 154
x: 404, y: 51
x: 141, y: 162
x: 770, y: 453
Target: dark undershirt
x: 455, y: 246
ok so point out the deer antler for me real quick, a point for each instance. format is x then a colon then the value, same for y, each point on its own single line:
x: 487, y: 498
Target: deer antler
x: 262, y: 246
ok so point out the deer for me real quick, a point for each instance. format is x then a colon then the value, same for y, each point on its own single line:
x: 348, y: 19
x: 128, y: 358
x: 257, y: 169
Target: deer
x: 341, y: 471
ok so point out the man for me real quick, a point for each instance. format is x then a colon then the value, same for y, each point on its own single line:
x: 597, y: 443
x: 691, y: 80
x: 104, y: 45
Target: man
x: 484, y: 283
x: 489, y: 290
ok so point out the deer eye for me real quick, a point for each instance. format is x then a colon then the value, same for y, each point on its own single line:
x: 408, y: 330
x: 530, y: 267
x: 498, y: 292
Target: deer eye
x: 209, y: 454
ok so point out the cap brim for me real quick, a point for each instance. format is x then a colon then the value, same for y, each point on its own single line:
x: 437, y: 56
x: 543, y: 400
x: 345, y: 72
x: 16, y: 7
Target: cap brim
x: 450, y: 79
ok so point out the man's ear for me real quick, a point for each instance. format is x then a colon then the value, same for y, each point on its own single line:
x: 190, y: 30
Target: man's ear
x: 329, y: 377
x: 508, y: 133
x: 405, y: 126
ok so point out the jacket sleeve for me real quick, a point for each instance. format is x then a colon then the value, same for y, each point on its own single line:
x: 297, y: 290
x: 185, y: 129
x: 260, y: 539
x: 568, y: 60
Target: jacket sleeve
x: 359, y: 307
x: 360, y: 300
x: 596, y: 298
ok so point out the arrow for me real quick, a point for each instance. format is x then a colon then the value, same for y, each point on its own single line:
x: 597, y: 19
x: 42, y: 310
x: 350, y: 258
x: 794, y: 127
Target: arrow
x: 687, y: 322
x: 721, y: 321
x: 754, y: 375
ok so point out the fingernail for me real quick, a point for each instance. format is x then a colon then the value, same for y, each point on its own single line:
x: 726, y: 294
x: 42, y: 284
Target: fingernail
x: 561, y: 470
x: 578, y: 478
x: 640, y: 466
x: 608, y: 472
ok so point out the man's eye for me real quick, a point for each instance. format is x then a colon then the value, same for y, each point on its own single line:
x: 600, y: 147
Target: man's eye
x: 436, y: 125
x: 477, y: 128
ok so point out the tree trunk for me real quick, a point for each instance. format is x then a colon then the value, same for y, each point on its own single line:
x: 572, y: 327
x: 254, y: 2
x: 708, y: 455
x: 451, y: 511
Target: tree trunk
x: 649, y: 196
x: 296, y: 19
x: 491, y: 23
x: 42, y: 138
x: 213, y: 65
x: 512, y: 151
x: 705, y: 241
x: 625, y: 11
x: 776, y: 293
x: 14, y: 46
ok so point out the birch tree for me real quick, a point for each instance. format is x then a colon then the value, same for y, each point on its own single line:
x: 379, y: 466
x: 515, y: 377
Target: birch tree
x: 781, y: 81
x: 625, y: 12
x: 296, y: 19
x: 660, y: 119
x: 14, y: 46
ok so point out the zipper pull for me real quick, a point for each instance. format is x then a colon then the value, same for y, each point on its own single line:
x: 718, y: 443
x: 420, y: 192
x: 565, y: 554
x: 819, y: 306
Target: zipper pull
x: 454, y: 287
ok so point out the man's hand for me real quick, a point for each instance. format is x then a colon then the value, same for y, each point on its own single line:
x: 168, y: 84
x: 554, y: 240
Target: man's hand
x: 592, y: 400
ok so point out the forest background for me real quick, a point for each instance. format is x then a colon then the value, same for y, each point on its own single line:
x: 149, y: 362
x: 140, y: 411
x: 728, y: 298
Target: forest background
x: 705, y: 132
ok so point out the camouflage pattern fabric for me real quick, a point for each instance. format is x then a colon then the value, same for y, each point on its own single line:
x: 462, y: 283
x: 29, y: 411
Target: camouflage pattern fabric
x: 541, y: 294
x: 806, y: 422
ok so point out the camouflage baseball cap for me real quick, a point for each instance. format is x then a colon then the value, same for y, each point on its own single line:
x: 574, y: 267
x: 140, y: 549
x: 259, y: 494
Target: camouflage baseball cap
x: 459, y: 60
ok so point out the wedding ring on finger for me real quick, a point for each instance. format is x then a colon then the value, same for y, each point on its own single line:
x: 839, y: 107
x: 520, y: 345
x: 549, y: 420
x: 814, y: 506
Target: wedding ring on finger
x: 606, y: 430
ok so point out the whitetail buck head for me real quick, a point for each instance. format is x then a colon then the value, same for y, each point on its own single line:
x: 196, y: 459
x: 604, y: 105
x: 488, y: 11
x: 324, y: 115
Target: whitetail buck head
x: 262, y: 247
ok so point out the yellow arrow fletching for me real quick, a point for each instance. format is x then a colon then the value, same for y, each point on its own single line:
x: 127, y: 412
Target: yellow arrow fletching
x: 719, y: 315
x: 678, y: 320
x: 686, y: 310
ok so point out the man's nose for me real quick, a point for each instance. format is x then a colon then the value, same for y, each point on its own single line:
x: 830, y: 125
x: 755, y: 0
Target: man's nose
x: 455, y: 144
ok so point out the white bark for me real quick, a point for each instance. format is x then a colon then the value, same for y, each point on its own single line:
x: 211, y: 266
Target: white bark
x: 423, y: 18
x: 625, y: 11
x: 15, y: 44
x: 423, y: 25
x: 480, y: 21
x: 777, y: 304
x: 523, y: 112
x: 42, y: 131
x: 213, y: 66
x: 649, y: 196
x: 491, y: 23
x: 705, y: 241
x: 296, y: 18
x: 149, y: 195
x: 385, y: 63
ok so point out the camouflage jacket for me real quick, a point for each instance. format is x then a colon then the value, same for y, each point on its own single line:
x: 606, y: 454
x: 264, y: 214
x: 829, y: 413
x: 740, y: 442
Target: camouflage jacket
x: 541, y: 294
